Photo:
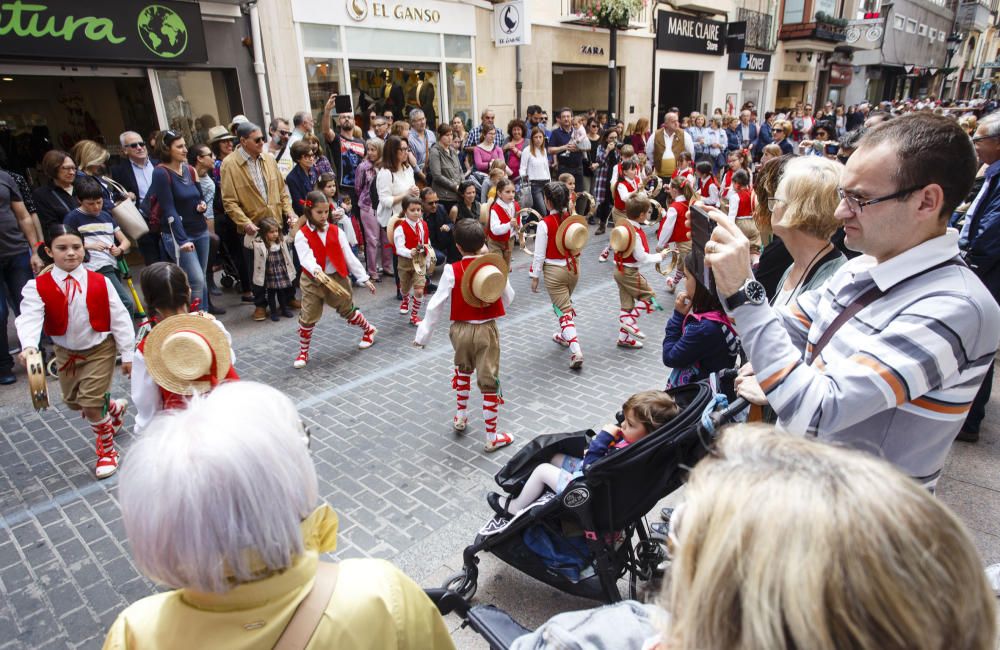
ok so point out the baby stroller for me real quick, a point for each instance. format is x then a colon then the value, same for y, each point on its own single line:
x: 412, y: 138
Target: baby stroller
x: 224, y: 259
x: 594, y: 529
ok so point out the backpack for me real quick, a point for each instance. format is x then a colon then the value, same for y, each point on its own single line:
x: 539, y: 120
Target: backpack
x: 155, y: 212
x: 373, y: 191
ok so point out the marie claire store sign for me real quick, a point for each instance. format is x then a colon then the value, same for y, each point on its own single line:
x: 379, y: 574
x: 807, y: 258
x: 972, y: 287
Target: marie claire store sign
x: 402, y: 15
x: 683, y: 33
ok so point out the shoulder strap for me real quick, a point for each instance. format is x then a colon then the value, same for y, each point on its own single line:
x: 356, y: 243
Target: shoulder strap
x: 309, y: 613
x: 866, y: 299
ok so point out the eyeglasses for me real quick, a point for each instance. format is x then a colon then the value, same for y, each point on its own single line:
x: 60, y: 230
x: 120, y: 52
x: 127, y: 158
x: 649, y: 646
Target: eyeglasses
x: 258, y: 139
x: 979, y: 138
x: 285, y: 133
x: 773, y: 201
x: 432, y: 203
x: 778, y: 130
x: 136, y: 145
x: 309, y: 155
x: 856, y: 205
x: 406, y: 149
x: 67, y: 168
x: 207, y: 153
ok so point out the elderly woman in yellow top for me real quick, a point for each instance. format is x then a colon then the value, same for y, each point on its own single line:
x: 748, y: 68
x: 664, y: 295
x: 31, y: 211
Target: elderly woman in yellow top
x: 220, y: 502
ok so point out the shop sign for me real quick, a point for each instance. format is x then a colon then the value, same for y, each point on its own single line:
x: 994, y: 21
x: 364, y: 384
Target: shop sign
x: 510, y: 24
x: 736, y: 38
x: 683, y: 33
x: 749, y: 62
x: 359, y: 10
x: 840, y: 74
x: 594, y: 50
x: 161, y: 31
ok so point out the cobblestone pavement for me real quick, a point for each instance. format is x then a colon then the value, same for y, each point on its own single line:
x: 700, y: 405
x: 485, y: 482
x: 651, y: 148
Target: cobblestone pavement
x: 405, y: 486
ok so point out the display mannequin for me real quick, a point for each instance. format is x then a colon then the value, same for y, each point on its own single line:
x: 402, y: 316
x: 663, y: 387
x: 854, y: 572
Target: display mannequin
x: 394, y: 99
x: 425, y: 99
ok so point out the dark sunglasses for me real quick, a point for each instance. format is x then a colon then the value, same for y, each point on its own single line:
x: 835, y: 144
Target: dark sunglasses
x: 285, y: 132
x: 136, y: 145
x: 259, y: 139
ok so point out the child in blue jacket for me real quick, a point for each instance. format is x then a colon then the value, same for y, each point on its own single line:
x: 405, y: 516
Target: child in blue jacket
x: 699, y: 338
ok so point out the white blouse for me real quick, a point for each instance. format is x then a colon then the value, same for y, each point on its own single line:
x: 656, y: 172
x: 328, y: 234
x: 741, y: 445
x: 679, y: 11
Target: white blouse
x: 534, y: 167
x: 391, y: 184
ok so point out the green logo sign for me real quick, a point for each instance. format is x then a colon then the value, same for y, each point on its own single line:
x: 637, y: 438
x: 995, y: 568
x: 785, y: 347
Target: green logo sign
x: 162, y: 31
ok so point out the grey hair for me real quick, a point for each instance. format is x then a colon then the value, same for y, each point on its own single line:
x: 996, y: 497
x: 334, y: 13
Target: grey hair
x: 992, y: 124
x: 300, y: 117
x: 416, y: 113
x: 121, y: 138
x: 214, y: 495
x: 245, y: 129
x: 378, y: 143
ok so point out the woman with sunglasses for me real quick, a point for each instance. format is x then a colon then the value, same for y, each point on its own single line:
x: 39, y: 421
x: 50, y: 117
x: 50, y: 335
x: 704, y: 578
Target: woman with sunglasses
x: 184, y: 227
x: 781, y: 130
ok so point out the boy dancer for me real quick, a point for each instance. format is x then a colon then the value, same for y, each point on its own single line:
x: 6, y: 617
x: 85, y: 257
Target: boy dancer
x: 632, y: 249
x: 479, y: 291
x: 416, y: 257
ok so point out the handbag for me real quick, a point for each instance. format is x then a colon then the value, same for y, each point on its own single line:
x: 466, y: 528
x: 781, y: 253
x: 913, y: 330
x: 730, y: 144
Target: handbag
x: 128, y: 216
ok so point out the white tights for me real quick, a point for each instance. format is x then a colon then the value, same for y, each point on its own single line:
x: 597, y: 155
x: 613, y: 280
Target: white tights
x: 544, y: 475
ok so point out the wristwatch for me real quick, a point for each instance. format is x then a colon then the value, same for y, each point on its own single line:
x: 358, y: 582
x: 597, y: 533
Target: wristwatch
x: 752, y: 292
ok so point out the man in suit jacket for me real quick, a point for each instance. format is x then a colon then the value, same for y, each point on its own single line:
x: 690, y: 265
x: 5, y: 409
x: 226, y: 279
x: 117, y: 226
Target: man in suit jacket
x: 746, y: 130
x: 135, y: 174
x: 764, y: 136
x: 425, y: 100
x: 980, y: 245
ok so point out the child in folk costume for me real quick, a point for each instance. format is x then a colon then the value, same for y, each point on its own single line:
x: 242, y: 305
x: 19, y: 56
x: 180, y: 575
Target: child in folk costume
x: 480, y: 293
x: 673, y: 233
x: 737, y: 160
x: 632, y: 250
x: 273, y: 269
x: 708, y: 187
x: 503, y: 218
x: 416, y: 257
x: 685, y: 166
x: 627, y: 184
x: 558, y: 242
x: 88, y: 323
x: 184, y: 354
x: 326, y: 260
x: 741, y: 211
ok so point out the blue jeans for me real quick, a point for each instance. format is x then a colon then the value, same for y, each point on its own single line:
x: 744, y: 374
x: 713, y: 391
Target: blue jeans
x: 15, y: 272
x: 194, y: 263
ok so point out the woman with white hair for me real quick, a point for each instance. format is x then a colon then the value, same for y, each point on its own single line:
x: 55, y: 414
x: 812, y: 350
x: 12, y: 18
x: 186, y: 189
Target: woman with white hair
x: 784, y: 542
x: 220, y: 502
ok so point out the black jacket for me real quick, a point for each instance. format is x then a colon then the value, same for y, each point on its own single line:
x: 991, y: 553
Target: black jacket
x: 123, y: 174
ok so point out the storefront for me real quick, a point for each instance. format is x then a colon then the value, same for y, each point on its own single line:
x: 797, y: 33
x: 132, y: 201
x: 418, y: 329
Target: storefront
x: 753, y: 69
x: 391, y: 57
x: 691, y: 65
x: 126, y: 66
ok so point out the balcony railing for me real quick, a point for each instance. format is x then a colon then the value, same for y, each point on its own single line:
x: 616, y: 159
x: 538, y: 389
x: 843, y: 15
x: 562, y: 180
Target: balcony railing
x: 574, y: 11
x: 812, y: 31
x: 974, y: 16
x: 760, y: 34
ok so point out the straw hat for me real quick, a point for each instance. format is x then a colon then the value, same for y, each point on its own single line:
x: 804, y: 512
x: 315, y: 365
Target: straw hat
x: 484, y: 280
x: 36, y: 380
x: 183, y: 350
x: 218, y: 134
x: 572, y: 235
x: 591, y: 203
x: 623, y: 239
x: 390, y: 227
x: 484, y: 214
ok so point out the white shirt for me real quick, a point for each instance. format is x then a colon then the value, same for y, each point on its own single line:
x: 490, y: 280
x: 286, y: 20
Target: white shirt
x: 79, y: 334
x: 501, y: 229
x: 668, y: 149
x: 391, y: 184
x: 713, y: 193
x: 143, y: 178
x: 534, y: 167
x: 399, y: 239
x: 146, y: 394
x: 639, y: 253
x: 671, y: 222
x: 436, y: 304
x: 308, y: 260
x: 541, y: 243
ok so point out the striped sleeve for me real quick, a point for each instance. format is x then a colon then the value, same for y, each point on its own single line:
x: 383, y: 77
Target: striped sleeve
x: 867, y: 371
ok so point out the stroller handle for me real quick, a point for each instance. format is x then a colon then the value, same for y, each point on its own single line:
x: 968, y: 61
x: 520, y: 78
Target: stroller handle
x: 725, y: 416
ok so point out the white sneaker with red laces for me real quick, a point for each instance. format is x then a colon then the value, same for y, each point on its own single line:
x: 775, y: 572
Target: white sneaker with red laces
x: 459, y: 423
x: 116, y: 410
x: 368, y: 338
x: 498, y: 441
x: 558, y: 338
x: 576, y: 362
x: 415, y: 320
x: 301, y: 360
x: 107, y: 457
x: 630, y: 343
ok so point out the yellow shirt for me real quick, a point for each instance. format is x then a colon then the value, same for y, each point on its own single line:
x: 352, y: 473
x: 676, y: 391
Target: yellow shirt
x: 373, y: 606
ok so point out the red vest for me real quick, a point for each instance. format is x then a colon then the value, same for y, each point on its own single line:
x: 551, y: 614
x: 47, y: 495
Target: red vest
x: 461, y: 310
x: 746, y: 207
x: 707, y: 183
x: 630, y: 185
x: 332, y: 252
x: 410, y: 234
x: 504, y: 218
x: 174, y: 401
x: 57, y: 308
x: 681, y: 232
x: 631, y: 257
x: 551, y: 251
x: 727, y: 180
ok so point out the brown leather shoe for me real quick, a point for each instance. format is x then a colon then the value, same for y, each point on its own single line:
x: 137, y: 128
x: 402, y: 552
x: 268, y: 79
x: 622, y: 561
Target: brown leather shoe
x: 260, y: 313
x: 295, y: 303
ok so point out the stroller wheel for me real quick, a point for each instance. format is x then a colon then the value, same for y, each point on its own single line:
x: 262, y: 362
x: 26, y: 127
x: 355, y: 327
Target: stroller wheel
x: 227, y: 281
x: 461, y: 584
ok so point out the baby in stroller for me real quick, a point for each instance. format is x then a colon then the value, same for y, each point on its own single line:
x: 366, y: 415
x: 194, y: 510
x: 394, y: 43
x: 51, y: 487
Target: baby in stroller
x: 641, y: 414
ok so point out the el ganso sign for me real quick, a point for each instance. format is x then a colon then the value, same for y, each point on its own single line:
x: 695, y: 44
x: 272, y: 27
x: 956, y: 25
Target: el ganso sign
x: 159, y: 31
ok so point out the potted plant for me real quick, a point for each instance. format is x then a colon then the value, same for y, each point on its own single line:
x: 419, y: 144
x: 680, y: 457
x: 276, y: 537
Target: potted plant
x: 611, y: 13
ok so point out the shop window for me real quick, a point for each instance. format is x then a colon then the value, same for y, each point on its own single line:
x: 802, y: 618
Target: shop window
x: 194, y: 101
x: 911, y: 26
x: 941, y: 36
x: 933, y: 34
x: 320, y: 37
x: 898, y: 22
x: 922, y: 30
x: 794, y: 10
x: 388, y: 42
x: 457, y: 47
x: 323, y: 79
x: 460, y: 91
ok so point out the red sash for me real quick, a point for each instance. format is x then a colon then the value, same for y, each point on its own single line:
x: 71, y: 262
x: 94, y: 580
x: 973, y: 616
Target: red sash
x: 332, y: 252
x: 57, y: 306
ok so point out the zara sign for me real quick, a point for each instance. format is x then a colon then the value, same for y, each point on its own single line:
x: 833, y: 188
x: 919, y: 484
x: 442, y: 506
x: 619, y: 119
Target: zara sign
x: 684, y: 33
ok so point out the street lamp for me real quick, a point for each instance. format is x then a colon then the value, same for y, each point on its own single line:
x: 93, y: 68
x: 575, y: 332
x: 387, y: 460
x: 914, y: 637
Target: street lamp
x: 954, y: 40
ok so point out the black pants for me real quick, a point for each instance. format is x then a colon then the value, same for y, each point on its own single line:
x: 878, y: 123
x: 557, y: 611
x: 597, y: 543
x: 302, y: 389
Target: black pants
x: 232, y: 240
x: 278, y: 298
x: 151, y: 248
x: 978, y: 409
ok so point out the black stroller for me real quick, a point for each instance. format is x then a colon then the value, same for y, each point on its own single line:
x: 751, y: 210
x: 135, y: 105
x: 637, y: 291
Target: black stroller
x: 597, y: 521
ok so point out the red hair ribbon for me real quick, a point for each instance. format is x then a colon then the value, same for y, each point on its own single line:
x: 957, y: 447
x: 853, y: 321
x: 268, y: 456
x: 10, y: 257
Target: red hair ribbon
x: 306, y: 203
